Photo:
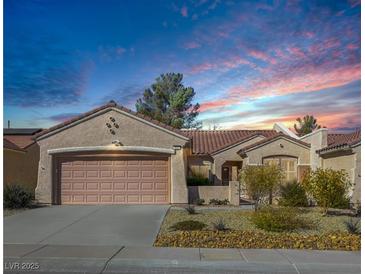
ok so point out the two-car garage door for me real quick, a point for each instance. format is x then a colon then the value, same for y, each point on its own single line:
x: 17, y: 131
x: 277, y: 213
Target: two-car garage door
x: 114, y: 180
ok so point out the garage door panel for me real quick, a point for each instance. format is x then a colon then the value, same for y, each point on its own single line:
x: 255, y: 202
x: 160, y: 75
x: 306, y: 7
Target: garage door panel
x: 92, y: 186
x: 92, y: 174
x: 114, y: 181
x: 133, y: 185
x: 92, y: 198
x: 106, y: 186
x: 147, y: 185
x: 147, y: 198
x: 119, y: 174
x: 119, y: 186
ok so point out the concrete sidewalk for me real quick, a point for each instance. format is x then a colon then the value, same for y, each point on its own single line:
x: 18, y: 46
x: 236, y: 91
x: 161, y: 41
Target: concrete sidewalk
x: 118, y: 259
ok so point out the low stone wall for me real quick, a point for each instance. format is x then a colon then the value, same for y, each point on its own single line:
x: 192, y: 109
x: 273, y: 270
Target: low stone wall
x: 230, y: 192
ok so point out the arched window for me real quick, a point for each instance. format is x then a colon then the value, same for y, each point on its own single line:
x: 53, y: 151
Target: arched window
x: 287, y: 164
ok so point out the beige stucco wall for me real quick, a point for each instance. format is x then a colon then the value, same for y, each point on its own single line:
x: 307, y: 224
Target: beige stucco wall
x: 229, y: 154
x: 352, y: 165
x: 255, y: 156
x: 357, y: 175
x: 318, y: 140
x: 230, y: 192
x: 208, y: 192
x: 21, y: 168
x: 200, y: 164
x: 94, y: 132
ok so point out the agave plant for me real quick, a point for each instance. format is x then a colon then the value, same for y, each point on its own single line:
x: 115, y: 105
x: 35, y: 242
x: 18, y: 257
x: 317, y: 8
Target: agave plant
x: 352, y: 226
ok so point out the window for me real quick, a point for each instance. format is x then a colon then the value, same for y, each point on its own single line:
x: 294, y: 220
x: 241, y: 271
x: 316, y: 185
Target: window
x: 287, y: 164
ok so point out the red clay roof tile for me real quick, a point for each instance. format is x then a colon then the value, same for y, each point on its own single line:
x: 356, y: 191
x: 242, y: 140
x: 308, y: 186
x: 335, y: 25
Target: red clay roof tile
x: 339, y: 140
x: 273, y: 137
x: 10, y: 145
x: 210, y: 141
x: 21, y: 141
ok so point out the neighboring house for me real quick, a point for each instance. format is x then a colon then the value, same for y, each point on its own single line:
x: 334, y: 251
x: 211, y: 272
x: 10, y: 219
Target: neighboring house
x: 21, y: 157
x: 112, y: 155
x: 343, y: 152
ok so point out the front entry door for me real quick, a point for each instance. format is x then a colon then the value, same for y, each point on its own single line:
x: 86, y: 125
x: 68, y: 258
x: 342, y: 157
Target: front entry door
x: 225, y: 175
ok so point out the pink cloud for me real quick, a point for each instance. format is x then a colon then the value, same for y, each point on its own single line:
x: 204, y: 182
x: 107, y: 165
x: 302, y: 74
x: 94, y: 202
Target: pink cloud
x: 279, y: 53
x: 222, y: 65
x: 352, y: 46
x: 215, y: 104
x: 202, y: 67
x: 308, y: 34
x: 235, y: 62
x: 329, y: 120
x: 306, y: 79
x: 262, y: 56
x: 191, y: 45
x: 297, y: 52
x: 184, y: 11
x: 331, y: 43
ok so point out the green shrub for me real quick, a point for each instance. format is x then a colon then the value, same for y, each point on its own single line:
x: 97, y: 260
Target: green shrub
x: 197, y: 179
x: 328, y: 187
x: 188, y: 225
x: 15, y: 196
x: 218, y: 202
x: 278, y: 219
x: 261, y: 182
x: 293, y: 194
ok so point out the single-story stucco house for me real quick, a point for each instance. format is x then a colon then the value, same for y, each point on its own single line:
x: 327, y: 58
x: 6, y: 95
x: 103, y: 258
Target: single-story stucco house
x: 21, y: 157
x: 112, y: 155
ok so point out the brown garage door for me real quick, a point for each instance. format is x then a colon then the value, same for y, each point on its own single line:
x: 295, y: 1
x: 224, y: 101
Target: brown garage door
x: 114, y: 181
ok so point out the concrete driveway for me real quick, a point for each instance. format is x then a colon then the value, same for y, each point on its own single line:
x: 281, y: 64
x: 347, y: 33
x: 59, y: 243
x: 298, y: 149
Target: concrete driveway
x: 107, y: 225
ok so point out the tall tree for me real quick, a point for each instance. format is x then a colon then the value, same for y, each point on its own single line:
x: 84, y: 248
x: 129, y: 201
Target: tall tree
x: 170, y: 102
x: 306, y: 125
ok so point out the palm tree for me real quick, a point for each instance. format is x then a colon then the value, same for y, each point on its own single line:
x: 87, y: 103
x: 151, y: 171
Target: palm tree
x: 306, y: 125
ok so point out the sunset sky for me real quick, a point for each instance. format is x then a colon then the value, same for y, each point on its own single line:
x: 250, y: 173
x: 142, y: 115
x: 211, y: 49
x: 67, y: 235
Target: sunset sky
x: 251, y: 63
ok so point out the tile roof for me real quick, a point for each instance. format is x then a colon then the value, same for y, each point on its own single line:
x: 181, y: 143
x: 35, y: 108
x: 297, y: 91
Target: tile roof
x: 271, y: 138
x: 10, y: 145
x: 21, y: 131
x: 335, y: 141
x: 22, y: 141
x: 210, y: 141
x: 110, y: 105
x: 22, y: 137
